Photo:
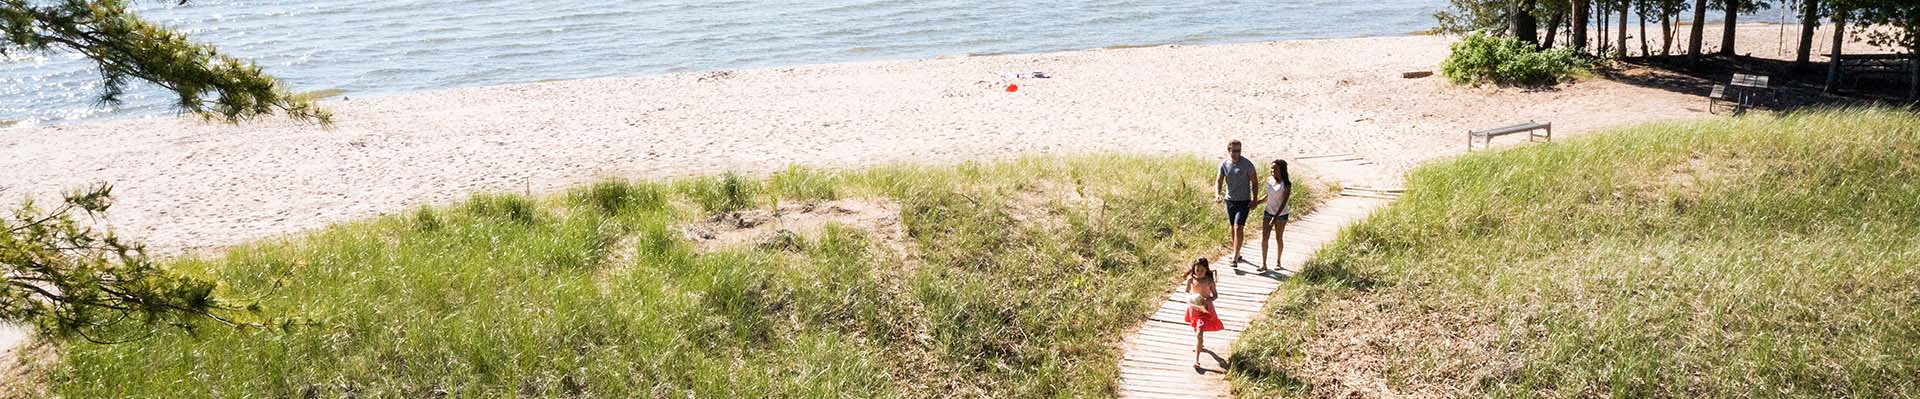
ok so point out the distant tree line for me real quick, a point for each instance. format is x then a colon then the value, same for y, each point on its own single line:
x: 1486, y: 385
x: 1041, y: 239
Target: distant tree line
x: 1601, y: 27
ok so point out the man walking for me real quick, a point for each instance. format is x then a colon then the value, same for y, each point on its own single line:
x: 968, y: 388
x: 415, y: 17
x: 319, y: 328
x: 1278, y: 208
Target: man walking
x: 1234, y: 187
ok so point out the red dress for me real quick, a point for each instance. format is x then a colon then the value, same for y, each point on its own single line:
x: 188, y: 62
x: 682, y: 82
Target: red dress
x: 1204, y: 320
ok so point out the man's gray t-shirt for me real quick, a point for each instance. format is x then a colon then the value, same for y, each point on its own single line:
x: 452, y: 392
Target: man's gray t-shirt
x: 1238, y: 174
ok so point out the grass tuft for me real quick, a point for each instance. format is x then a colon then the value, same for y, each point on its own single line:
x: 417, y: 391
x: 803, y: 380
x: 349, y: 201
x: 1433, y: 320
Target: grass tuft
x: 426, y: 219
x: 799, y: 183
x: 506, y: 207
x: 612, y: 197
x: 717, y: 195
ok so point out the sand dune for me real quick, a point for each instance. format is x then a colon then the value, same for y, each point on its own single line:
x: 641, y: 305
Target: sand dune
x: 185, y: 184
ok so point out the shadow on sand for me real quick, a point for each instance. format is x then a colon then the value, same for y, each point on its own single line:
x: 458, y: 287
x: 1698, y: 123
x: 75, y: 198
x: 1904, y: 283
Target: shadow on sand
x: 1796, y: 88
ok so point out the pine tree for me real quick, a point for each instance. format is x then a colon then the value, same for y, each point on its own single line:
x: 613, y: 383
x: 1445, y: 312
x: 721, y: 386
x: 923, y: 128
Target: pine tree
x: 71, y: 278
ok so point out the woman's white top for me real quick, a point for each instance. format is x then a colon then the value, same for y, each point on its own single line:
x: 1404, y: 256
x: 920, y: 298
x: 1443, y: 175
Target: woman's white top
x: 1276, y: 203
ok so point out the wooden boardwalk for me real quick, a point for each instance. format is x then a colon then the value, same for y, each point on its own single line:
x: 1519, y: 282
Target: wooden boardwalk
x: 1158, y: 360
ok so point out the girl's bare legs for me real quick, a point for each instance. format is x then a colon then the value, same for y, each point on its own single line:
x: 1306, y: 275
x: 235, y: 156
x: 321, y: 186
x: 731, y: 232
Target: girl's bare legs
x: 1279, y: 241
x: 1199, y: 344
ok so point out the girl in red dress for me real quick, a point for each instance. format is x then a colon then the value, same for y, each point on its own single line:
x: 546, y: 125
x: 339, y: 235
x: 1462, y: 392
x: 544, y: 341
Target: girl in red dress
x: 1200, y: 312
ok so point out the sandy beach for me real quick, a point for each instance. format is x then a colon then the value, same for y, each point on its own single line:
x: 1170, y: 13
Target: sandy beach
x: 185, y: 185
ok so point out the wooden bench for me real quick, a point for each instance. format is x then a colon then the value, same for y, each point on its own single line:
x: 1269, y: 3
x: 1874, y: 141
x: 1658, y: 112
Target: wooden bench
x: 1534, y: 130
x: 1743, y: 92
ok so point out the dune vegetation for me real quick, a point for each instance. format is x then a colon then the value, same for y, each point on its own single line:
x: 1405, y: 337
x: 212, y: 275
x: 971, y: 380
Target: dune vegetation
x: 1765, y: 256
x: 1011, y: 279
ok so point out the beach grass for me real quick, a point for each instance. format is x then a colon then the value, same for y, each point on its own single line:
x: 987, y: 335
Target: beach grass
x: 1764, y: 256
x: 1015, y: 279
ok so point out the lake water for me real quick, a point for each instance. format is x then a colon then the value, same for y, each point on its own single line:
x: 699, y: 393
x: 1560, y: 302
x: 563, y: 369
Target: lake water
x: 383, y: 46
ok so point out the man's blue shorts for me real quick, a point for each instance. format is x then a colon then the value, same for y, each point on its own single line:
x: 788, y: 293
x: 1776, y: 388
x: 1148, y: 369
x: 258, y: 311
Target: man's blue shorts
x: 1237, y: 212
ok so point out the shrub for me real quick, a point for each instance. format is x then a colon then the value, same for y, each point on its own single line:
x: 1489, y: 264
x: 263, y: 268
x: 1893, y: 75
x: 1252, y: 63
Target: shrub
x: 1482, y: 59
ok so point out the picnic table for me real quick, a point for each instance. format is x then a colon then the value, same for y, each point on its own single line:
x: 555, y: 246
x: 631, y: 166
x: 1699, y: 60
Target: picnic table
x: 1871, y: 59
x: 1856, y: 66
x: 1742, y: 92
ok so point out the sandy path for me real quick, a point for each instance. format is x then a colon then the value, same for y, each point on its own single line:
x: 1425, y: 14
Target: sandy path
x: 184, y: 184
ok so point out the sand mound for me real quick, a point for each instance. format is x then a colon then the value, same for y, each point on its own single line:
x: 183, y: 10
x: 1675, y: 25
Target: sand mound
x: 783, y: 228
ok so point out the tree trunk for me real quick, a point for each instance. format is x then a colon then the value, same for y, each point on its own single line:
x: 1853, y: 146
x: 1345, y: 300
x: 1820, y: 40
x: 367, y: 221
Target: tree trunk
x: 1621, y: 40
x: 1645, y: 50
x: 1666, y: 32
x: 1526, y: 26
x: 1727, y: 36
x: 1600, y: 13
x: 1839, y: 38
x: 1553, y: 29
x: 1579, y: 21
x: 1809, y: 22
x: 1699, y: 29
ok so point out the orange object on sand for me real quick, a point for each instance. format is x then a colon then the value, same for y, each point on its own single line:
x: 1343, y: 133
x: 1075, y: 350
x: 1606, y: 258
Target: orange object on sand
x: 1013, y: 88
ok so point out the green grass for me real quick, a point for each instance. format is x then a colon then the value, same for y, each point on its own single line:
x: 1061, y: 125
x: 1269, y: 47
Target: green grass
x: 596, y: 293
x: 1751, y: 257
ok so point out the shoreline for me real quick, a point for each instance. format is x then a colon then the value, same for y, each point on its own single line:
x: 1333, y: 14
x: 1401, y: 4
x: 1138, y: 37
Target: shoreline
x: 7, y: 124
x: 1821, y: 43
x: 183, y: 185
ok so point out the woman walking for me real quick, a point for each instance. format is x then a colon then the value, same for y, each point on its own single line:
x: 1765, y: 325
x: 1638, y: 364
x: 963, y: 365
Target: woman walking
x: 1200, y: 314
x: 1274, y: 221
